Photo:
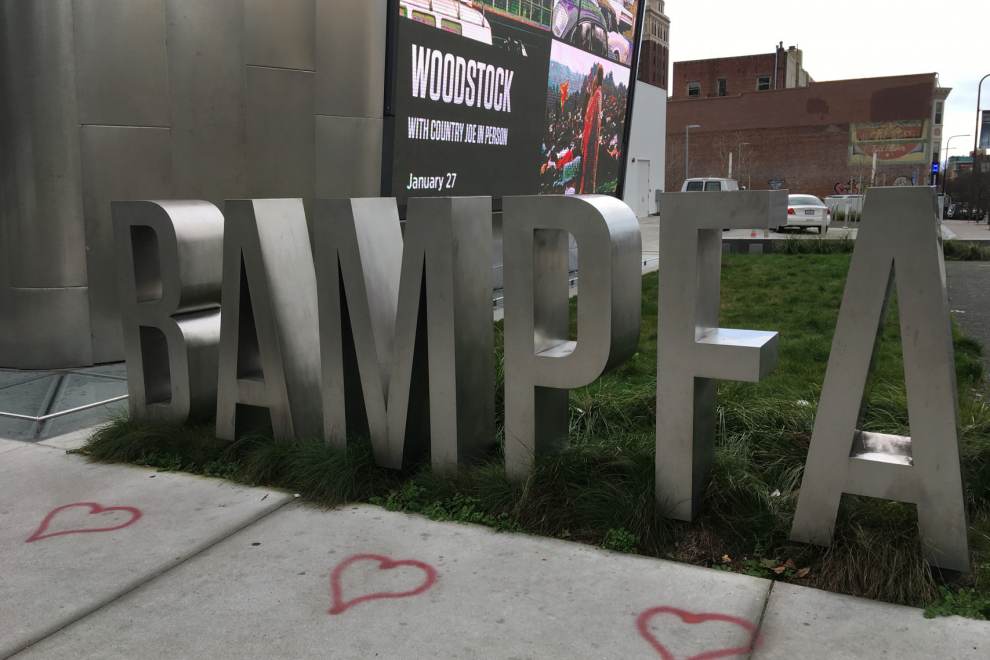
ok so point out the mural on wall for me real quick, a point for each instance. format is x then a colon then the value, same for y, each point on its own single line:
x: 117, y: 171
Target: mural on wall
x: 894, y: 142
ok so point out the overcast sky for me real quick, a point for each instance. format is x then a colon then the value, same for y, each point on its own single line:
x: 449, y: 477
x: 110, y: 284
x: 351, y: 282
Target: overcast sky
x: 852, y: 39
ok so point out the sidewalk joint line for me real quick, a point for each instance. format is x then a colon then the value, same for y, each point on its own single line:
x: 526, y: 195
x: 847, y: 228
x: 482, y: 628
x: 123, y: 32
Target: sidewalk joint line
x: 151, y: 577
x: 759, y: 622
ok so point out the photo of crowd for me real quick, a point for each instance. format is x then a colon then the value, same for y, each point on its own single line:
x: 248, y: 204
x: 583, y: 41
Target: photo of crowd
x: 581, y: 149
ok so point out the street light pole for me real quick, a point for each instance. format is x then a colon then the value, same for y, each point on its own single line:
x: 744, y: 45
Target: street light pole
x: 976, y: 133
x: 687, y: 146
x: 976, y: 143
x: 945, y: 170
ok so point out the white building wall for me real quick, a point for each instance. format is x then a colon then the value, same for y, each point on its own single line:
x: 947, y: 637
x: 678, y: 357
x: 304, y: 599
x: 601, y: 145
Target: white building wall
x: 645, y: 164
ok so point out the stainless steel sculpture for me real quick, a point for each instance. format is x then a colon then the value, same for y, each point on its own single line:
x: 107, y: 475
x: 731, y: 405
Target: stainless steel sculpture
x: 898, y: 242
x: 692, y: 350
x: 168, y: 270
x: 269, y: 341
x: 541, y: 362
x: 406, y: 322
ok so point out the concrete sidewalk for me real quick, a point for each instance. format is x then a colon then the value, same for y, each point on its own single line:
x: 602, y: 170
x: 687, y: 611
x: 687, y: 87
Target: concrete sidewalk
x: 120, y: 562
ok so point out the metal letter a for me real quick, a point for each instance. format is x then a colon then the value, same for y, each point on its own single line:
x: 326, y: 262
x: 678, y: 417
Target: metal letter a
x: 898, y: 243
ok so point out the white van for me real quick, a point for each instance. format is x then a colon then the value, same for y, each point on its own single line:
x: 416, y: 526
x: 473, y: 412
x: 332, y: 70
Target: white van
x: 457, y: 16
x: 709, y: 184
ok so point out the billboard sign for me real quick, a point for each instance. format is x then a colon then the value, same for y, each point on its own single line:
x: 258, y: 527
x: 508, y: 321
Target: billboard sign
x: 985, y: 130
x: 489, y: 97
x: 893, y: 142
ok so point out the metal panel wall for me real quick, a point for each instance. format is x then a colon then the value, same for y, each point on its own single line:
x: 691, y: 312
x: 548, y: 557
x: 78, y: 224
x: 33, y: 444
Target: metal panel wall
x: 44, y: 307
x: 41, y: 210
x: 49, y: 327
x: 350, y: 57
x: 171, y: 99
x: 280, y: 35
x: 119, y: 163
x: 207, y: 98
x: 280, y: 132
x: 338, y: 172
x: 120, y: 55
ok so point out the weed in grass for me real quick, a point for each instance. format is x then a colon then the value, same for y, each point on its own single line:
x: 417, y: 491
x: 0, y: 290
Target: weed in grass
x: 962, y: 602
x: 600, y: 490
x: 620, y: 540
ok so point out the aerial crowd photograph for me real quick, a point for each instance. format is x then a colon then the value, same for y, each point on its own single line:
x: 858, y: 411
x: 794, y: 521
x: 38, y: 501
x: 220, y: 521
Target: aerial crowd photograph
x: 496, y: 329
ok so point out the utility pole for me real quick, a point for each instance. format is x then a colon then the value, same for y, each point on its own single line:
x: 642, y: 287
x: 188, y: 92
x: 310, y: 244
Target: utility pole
x: 976, y: 145
x: 739, y: 159
x: 945, y: 170
x: 687, y: 147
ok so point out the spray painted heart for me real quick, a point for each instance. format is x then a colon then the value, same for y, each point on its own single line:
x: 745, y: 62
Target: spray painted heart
x: 339, y: 605
x: 691, y: 618
x: 95, y: 510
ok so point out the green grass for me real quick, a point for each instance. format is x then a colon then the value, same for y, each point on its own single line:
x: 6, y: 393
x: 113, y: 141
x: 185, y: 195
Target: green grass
x: 600, y: 490
x: 954, y: 250
x: 966, y: 251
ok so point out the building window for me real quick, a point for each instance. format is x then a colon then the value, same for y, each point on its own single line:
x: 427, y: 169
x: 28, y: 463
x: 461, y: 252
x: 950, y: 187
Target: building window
x: 694, y: 89
x: 720, y: 87
x: 938, y: 112
x: 763, y: 83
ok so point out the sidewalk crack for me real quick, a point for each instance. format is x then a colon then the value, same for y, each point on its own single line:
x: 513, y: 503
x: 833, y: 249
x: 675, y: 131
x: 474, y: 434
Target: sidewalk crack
x: 151, y: 577
x: 759, y: 623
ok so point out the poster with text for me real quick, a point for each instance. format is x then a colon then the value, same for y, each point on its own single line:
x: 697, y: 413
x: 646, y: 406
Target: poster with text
x: 492, y: 97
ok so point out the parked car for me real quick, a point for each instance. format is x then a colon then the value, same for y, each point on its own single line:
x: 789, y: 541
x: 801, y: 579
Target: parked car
x: 582, y: 24
x: 806, y: 211
x: 709, y: 184
x: 617, y: 18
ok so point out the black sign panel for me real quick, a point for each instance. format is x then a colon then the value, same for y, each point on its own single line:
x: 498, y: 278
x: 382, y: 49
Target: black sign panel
x: 465, y: 125
x: 488, y: 97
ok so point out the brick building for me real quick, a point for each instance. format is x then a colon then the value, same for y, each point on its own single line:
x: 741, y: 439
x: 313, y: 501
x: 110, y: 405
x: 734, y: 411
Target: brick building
x: 818, y: 139
x: 727, y: 76
x: 654, y: 54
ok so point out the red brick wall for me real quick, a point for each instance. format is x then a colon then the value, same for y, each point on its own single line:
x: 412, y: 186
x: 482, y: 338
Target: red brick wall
x: 654, y: 62
x: 799, y: 136
x: 740, y: 73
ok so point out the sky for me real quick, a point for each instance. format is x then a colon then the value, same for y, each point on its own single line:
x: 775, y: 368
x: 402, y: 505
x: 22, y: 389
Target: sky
x: 852, y: 39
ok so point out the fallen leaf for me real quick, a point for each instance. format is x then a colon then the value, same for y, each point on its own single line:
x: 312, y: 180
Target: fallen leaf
x: 802, y: 573
x: 779, y: 570
x: 790, y: 564
x: 726, y: 559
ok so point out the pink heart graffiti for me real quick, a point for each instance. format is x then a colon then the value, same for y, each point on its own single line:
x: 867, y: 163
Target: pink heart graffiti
x: 94, y: 509
x: 692, y: 618
x: 339, y: 605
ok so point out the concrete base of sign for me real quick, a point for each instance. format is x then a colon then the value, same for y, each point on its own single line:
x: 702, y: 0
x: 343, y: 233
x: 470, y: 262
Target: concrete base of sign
x: 466, y: 592
x: 808, y: 623
x: 75, y: 536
